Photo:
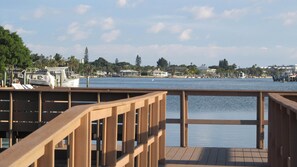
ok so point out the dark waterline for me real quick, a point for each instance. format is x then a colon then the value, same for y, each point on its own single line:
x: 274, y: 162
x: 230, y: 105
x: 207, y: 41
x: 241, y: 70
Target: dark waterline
x: 209, y: 107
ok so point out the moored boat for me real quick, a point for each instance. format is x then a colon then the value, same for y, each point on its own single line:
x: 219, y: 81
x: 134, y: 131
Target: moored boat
x: 54, y: 76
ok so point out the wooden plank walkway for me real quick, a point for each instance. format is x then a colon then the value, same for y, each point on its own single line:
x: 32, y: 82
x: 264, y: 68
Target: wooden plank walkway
x: 211, y: 156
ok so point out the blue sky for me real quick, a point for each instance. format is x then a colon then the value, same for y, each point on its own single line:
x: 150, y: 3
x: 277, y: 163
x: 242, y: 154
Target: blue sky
x: 245, y: 32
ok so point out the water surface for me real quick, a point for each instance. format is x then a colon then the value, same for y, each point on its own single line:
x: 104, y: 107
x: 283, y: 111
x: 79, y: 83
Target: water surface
x: 206, y: 107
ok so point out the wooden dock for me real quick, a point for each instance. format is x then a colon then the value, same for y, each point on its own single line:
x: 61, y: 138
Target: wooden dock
x: 34, y: 123
x: 213, y: 156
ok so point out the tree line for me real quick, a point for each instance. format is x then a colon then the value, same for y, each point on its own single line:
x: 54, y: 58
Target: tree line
x: 15, y: 54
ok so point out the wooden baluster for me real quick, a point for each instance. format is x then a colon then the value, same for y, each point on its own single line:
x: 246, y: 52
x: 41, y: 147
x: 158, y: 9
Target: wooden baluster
x: 10, y: 119
x: 39, y: 109
x: 104, y: 142
x: 293, y: 139
x: 71, y: 141
x: 68, y: 142
x: 143, y: 119
x: 163, y: 128
x: 124, y: 133
x: 184, y: 118
x: 130, y: 125
x: 260, y: 121
x: 155, y: 129
x: 98, y: 136
x: 124, y: 130
x: 285, y: 135
x: 277, y: 135
x: 111, y: 143
x: 83, y: 142
x: 48, y: 158
x: 271, y: 145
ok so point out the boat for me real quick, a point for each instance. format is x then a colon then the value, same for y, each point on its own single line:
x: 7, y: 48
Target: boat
x: 54, y: 77
x: 287, y: 76
x: 241, y: 75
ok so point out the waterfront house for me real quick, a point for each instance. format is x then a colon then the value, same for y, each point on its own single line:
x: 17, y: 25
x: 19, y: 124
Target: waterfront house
x: 129, y: 73
x: 159, y: 73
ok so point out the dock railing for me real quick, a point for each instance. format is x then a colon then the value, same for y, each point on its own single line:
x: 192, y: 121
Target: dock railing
x: 141, y: 115
x: 282, y: 130
x: 43, y: 105
x: 184, y: 121
x: 23, y: 111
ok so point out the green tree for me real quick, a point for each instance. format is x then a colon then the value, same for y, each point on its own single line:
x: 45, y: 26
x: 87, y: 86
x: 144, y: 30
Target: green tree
x: 59, y: 59
x: 89, y: 69
x: 13, y: 52
x: 138, y: 61
x: 73, y: 64
x: 162, y: 63
x: 86, y: 57
x: 223, y: 64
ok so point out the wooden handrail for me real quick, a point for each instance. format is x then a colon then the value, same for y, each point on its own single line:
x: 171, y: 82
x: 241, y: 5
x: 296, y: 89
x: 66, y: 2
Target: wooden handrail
x: 75, y: 123
x: 282, y: 130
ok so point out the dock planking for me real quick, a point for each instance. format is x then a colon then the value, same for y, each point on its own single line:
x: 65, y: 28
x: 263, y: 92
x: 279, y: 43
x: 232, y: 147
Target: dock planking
x: 213, y: 156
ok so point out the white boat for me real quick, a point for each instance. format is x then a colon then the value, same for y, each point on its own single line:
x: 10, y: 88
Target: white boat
x: 54, y: 77
x: 241, y: 75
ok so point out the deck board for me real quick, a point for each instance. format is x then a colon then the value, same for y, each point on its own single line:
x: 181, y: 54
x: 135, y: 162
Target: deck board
x: 213, y: 156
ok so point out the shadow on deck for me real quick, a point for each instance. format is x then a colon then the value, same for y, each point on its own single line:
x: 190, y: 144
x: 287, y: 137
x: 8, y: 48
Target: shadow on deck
x: 195, y: 156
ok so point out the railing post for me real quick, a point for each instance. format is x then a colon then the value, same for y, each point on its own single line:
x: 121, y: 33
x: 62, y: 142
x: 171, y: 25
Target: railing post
x: 271, y: 132
x: 293, y: 139
x: 155, y: 129
x: 130, y: 136
x: 104, y: 142
x: 83, y: 142
x: 111, y: 138
x: 98, y: 136
x: 39, y: 108
x: 71, y: 142
x: 144, y: 133
x: 184, y: 118
x: 260, y: 121
x: 10, y: 119
x: 163, y: 128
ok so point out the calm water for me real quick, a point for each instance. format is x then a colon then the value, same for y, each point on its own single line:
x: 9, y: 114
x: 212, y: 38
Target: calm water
x: 209, y: 107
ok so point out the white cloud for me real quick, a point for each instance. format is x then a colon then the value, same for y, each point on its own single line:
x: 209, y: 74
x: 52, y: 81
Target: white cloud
x: 108, y: 23
x: 201, y: 12
x: 19, y: 30
x: 185, y: 35
x: 175, y: 29
x: 122, y: 3
x: 62, y: 38
x: 92, y: 23
x: 110, y: 36
x: 234, y: 13
x: 156, y: 28
x: 82, y: 9
x: 48, y: 49
x: 288, y: 18
x: 39, y: 13
x: 75, y: 32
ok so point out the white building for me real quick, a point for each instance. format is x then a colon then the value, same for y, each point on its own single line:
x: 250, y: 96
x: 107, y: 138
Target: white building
x: 101, y: 73
x: 291, y: 68
x: 159, y: 73
x: 129, y: 73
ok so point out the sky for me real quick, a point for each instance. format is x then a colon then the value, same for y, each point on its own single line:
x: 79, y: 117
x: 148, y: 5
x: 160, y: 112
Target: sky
x: 245, y: 32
